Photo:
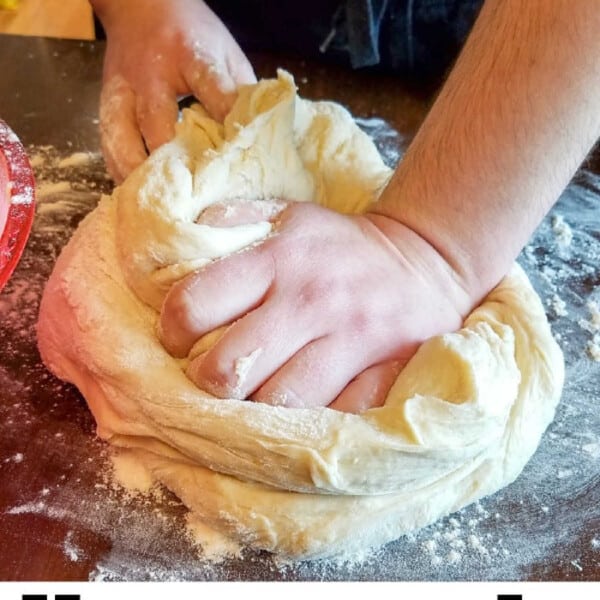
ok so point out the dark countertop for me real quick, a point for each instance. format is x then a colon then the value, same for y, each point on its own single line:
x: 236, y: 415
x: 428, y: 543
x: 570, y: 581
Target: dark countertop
x: 62, y: 518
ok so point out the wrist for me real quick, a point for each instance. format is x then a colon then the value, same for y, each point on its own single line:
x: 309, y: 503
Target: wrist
x: 426, y: 262
x: 502, y: 139
x: 469, y: 252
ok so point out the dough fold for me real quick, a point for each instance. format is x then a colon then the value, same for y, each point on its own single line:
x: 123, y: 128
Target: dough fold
x: 460, y: 422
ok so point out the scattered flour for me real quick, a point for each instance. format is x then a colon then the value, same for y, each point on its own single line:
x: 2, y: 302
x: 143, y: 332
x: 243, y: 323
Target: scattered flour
x: 37, y: 160
x: 592, y: 325
x: 389, y: 142
x: 577, y: 565
x: 72, y: 552
x: 563, y: 232
x: 130, y: 473
x: 77, y: 159
x: 211, y: 545
x: 510, y: 536
x: 25, y: 198
x: 51, y: 188
x: 476, y: 543
x: 593, y: 449
x: 593, y: 348
x: 29, y: 507
x: 15, y: 458
x: 559, y: 306
x: 244, y: 364
x: 132, y: 476
x: 39, y: 508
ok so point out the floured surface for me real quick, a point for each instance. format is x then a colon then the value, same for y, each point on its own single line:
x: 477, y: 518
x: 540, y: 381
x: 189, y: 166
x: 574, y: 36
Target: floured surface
x: 544, y: 525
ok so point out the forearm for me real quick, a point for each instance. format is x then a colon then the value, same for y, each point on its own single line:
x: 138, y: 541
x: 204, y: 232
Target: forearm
x: 516, y: 117
x: 101, y: 6
x: 105, y: 9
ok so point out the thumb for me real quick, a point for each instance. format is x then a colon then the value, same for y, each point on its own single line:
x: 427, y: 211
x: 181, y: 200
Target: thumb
x: 156, y: 111
x: 122, y: 144
x: 215, y: 83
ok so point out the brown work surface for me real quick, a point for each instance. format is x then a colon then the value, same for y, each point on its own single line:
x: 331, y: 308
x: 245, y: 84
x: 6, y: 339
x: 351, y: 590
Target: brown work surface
x: 62, y: 518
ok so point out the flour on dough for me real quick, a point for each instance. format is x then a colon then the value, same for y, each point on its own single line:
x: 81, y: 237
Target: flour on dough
x: 460, y: 422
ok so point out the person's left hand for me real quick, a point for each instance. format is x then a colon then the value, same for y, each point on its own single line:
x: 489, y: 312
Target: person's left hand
x: 158, y: 50
x: 323, y: 312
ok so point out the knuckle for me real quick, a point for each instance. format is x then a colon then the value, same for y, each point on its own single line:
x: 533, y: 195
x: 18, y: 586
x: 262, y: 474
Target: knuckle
x: 312, y: 292
x: 216, y: 376
x: 278, y: 394
x: 182, y: 320
x: 361, y: 322
x: 190, y: 312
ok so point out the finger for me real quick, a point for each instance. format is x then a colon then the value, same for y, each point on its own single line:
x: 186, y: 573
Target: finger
x: 250, y: 351
x: 157, y: 112
x: 240, y: 69
x: 313, y: 377
x: 122, y: 144
x: 212, y: 85
x: 220, y: 293
x: 369, y: 389
x: 215, y: 83
x: 241, y: 212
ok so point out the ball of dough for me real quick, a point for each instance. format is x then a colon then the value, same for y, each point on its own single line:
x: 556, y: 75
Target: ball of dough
x: 460, y: 422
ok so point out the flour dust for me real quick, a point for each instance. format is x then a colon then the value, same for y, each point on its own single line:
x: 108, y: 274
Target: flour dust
x: 543, y: 524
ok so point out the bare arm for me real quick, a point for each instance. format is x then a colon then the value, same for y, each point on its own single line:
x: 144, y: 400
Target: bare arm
x: 515, y: 119
x: 158, y: 50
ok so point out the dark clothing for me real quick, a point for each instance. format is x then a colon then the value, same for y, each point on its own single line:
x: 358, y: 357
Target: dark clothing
x: 418, y: 38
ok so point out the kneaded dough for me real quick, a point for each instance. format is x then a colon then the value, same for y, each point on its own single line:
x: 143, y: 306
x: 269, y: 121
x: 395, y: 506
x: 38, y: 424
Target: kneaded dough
x: 460, y: 422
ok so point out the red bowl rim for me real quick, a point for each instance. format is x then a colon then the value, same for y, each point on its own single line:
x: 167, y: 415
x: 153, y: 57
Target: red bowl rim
x: 22, y: 202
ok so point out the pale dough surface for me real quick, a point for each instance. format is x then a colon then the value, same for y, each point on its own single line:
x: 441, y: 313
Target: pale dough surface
x: 460, y: 422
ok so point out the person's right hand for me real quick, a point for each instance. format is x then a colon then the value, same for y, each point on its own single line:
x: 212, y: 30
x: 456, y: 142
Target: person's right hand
x: 159, y: 50
x: 323, y: 312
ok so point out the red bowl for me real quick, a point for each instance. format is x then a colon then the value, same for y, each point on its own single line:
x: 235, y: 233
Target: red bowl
x: 17, y: 201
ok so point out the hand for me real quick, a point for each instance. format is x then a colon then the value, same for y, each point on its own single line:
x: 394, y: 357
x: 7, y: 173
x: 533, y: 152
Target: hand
x: 323, y: 312
x: 159, y: 50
